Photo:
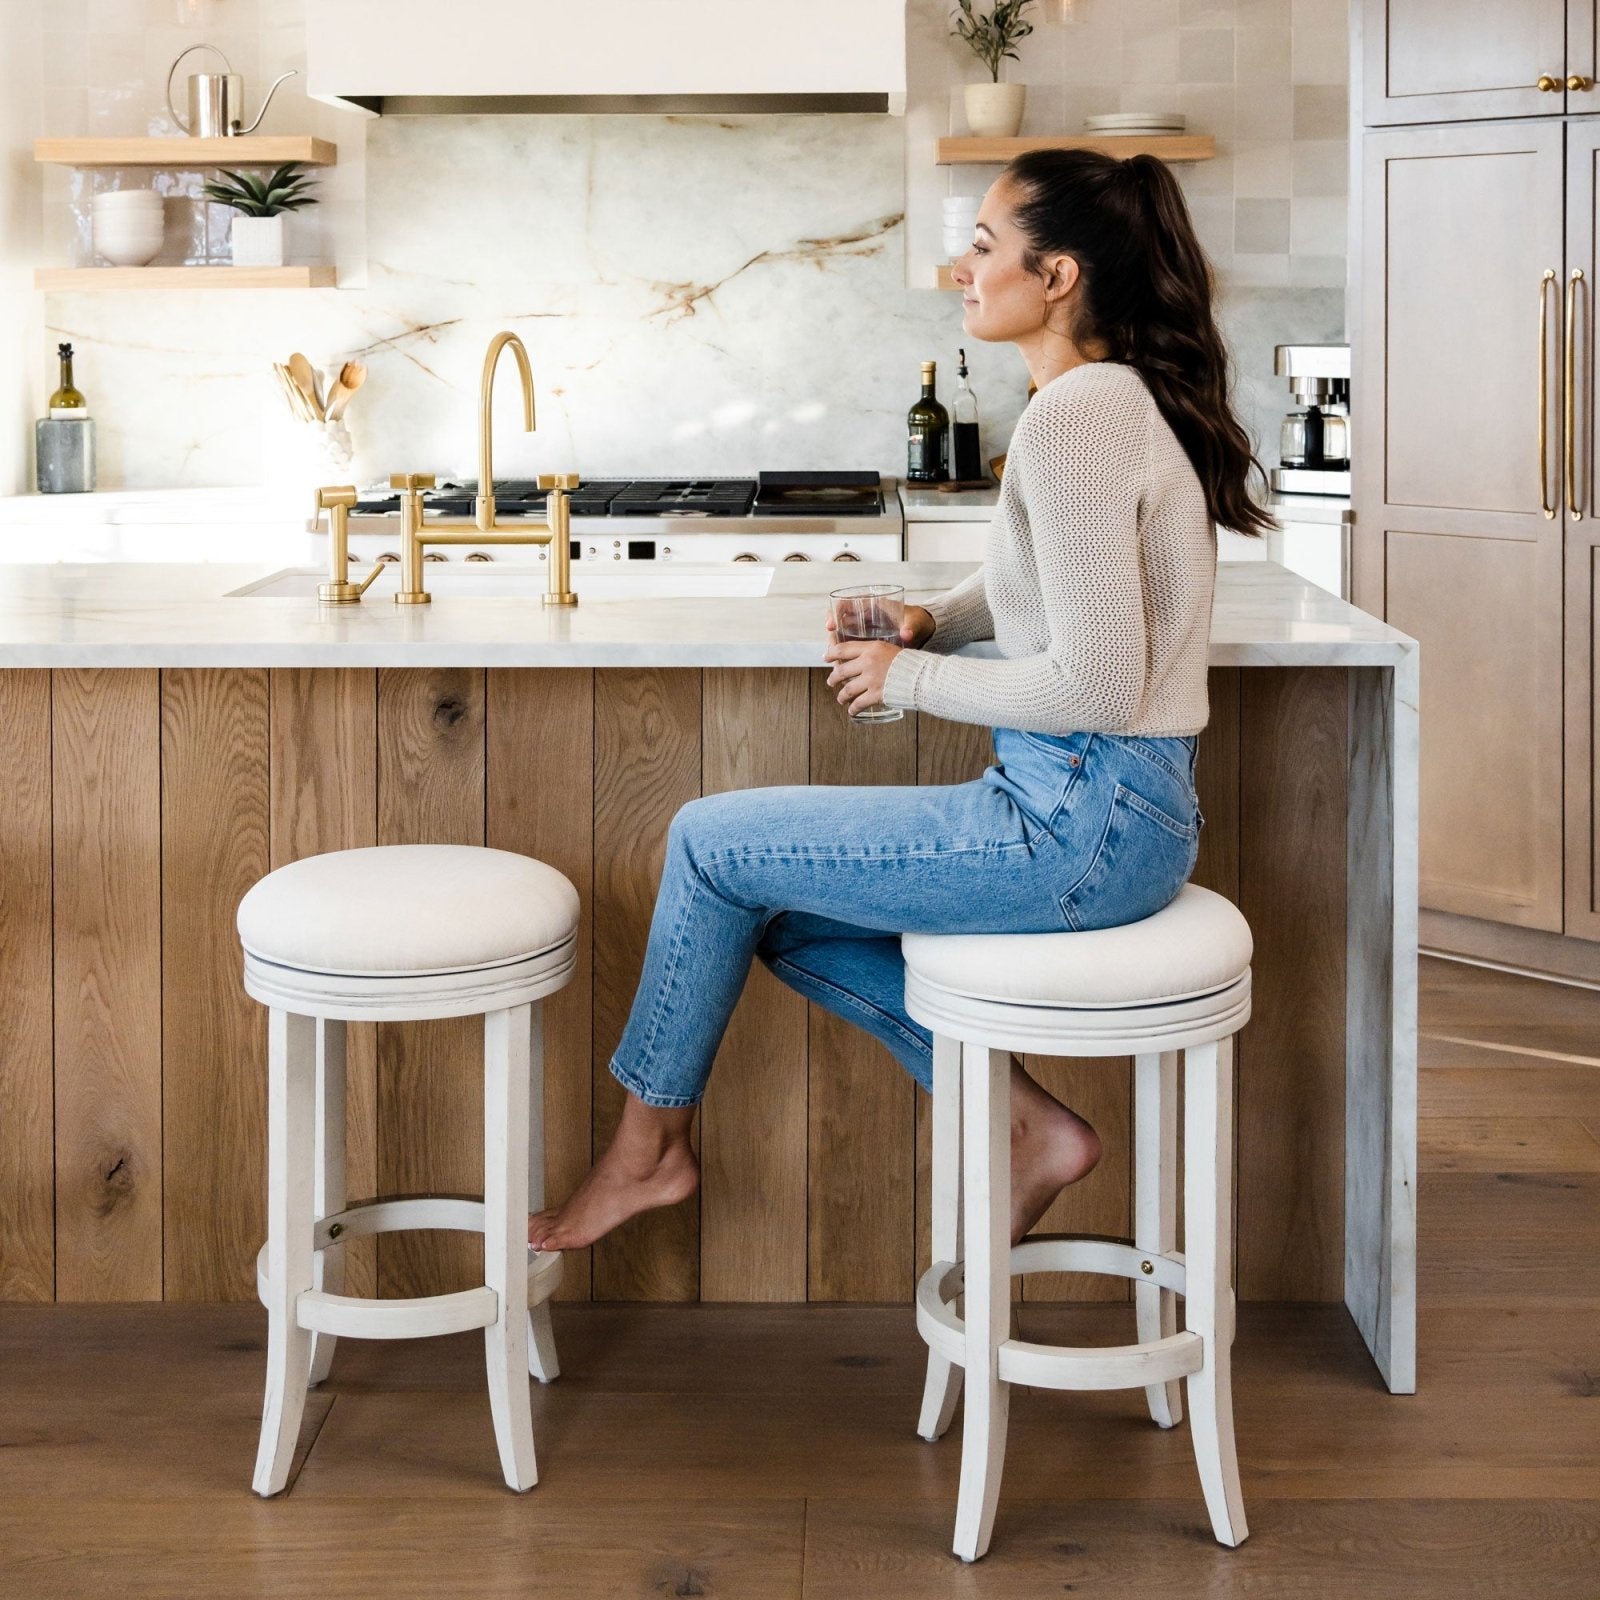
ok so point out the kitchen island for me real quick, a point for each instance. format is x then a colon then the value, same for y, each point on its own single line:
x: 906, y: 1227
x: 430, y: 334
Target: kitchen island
x: 170, y: 733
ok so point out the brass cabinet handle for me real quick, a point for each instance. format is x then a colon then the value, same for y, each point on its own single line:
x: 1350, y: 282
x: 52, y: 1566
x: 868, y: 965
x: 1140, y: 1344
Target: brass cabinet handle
x: 1577, y: 81
x: 1547, y: 84
x: 1569, y: 398
x: 1544, y: 394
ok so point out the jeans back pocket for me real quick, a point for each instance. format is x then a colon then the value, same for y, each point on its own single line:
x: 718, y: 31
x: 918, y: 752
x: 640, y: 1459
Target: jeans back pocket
x: 1143, y: 859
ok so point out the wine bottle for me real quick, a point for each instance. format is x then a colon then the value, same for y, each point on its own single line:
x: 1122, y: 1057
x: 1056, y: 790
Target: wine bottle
x: 927, y: 434
x: 67, y: 401
x: 966, y: 455
x: 63, y: 441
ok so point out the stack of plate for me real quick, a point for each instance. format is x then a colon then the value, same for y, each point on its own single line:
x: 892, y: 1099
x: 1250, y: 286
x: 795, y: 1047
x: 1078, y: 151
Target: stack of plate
x: 1136, y: 122
x: 960, y: 218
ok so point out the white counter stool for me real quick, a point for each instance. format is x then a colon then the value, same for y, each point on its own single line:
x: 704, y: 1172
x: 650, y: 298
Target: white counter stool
x: 1179, y: 980
x: 401, y: 933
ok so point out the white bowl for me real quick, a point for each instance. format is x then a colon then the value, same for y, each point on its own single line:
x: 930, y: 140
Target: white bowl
x: 127, y: 202
x: 128, y: 243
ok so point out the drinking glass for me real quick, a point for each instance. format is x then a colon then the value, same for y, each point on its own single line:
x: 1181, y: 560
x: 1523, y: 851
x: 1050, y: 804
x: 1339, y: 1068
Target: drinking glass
x: 870, y: 611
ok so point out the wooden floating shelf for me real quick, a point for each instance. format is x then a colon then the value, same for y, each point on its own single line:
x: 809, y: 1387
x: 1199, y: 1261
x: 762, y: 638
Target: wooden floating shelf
x: 945, y: 280
x: 185, y: 153
x: 92, y: 278
x: 996, y: 152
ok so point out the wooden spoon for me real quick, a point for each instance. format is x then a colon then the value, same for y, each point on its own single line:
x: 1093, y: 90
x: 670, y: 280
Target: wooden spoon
x: 305, y: 380
x: 351, y: 376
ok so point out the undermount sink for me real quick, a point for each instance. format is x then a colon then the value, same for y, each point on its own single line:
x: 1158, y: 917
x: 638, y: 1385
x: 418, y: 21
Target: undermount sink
x: 486, y: 581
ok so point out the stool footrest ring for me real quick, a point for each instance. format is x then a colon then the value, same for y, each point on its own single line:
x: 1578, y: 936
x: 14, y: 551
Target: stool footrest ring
x: 359, y: 1318
x: 354, y: 1318
x: 1044, y: 1366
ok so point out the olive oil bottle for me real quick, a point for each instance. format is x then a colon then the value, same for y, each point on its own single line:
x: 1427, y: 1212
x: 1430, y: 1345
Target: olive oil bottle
x: 63, y: 441
x: 927, y: 434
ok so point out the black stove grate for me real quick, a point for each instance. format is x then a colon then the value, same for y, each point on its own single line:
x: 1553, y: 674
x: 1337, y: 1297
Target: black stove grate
x: 685, y: 497
x: 779, y: 494
x: 814, y: 494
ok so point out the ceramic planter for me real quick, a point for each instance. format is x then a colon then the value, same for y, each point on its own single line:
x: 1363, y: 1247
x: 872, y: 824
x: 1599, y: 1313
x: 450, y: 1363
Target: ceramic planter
x: 994, y: 110
x: 257, y: 241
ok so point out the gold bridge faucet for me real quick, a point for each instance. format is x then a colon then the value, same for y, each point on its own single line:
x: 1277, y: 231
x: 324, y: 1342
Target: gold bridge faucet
x: 415, y: 534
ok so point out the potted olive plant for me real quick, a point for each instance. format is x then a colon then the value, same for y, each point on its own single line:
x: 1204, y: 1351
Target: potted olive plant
x: 994, y: 109
x: 259, y: 205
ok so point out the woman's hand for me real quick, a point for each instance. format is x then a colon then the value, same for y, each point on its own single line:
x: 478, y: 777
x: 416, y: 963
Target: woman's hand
x: 861, y: 665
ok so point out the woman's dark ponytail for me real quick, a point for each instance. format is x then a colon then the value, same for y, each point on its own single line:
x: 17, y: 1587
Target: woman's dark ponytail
x: 1145, y: 294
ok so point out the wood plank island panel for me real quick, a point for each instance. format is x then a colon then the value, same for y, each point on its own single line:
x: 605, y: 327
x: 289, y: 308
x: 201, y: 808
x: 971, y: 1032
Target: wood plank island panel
x: 27, y: 1037
x: 539, y: 776
x: 106, y: 800
x: 214, y: 807
x: 430, y: 1074
x: 810, y: 1137
x: 324, y: 796
x: 647, y: 741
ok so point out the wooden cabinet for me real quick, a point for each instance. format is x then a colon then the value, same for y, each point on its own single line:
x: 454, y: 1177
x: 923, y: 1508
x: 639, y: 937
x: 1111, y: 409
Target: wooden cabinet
x: 1582, y: 531
x: 1460, y: 526
x: 1437, y: 61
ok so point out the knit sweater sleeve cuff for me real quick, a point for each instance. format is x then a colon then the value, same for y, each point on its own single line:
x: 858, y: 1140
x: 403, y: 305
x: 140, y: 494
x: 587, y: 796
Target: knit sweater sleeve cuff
x: 900, y: 682
x: 960, y: 617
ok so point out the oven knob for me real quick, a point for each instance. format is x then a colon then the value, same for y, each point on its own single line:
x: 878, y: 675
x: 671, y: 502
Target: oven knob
x: 479, y: 555
x: 746, y: 556
x: 591, y: 549
x: 845, y: 555
x: 797, y: 557
x: 388, y: 555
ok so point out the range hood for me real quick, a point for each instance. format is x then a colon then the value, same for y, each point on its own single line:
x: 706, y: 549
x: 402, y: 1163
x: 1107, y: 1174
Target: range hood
x: 685, y: 56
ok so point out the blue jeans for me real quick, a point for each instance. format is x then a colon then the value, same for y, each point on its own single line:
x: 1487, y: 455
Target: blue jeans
x: 1083, y: 831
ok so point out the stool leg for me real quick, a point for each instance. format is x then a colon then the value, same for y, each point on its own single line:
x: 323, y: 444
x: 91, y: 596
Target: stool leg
x: 943, y: 1384
x: 1208, y: 1300
x: 542, y: 1362
x: 986, y: 1204
x: 327, y: 1267
x: 506, y: 1045
x: 291, y: 1133
x: 1155, y: 1201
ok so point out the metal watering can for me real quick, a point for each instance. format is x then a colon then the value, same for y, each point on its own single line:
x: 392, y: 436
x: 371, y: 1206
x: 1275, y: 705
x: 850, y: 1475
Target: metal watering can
x: 216, y: 100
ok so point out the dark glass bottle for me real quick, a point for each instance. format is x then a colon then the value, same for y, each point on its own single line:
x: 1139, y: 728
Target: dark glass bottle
x: 966, y: 454
x: 927, y: 435
x: 67, y: 401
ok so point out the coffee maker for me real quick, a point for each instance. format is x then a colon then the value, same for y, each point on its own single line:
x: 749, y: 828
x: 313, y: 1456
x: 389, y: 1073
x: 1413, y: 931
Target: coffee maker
x: 1314, y: 442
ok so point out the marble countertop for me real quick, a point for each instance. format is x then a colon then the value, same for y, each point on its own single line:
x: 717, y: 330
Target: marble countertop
x: 966, y: 505
x: 148, y: 615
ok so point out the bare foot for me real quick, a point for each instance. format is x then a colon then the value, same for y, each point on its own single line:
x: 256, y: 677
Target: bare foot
x: 1051, y: 1146
x: 650, y: 1163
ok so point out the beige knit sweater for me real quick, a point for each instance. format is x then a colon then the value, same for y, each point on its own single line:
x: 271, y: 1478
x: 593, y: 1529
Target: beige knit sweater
x: 1096, y: 581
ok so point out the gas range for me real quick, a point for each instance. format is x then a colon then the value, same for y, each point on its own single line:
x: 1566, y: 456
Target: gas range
x: 776, y: 516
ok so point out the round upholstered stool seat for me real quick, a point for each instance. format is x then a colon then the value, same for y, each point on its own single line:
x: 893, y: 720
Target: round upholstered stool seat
x: 1178, y: 981
x: 1182, y: 974
x: 396, y: 931
x: 393, y: 934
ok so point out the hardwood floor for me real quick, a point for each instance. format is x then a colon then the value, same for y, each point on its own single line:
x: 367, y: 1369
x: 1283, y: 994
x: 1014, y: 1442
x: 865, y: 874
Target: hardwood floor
x: 769, y: 1452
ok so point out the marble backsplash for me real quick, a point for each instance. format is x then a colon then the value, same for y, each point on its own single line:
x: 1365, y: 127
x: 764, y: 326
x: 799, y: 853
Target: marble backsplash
x: 698, y: 295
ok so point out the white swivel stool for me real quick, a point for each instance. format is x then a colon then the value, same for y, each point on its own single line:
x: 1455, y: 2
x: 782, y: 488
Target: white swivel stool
x: 400, y: 933
x: 1179, y: 980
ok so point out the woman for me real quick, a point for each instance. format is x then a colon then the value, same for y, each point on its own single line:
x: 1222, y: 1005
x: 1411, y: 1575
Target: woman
x: 1096, y: 588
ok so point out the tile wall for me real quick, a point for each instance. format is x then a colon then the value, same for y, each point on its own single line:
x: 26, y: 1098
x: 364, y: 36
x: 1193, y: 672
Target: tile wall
x: 1268, y: 79
x: 710, y: 294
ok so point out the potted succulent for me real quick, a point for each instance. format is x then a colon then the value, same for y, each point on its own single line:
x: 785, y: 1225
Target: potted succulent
x: 994, y: 109
x: 260, y: 204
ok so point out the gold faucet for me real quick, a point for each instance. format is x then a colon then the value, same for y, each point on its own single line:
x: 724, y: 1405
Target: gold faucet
x: 554, y: 531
